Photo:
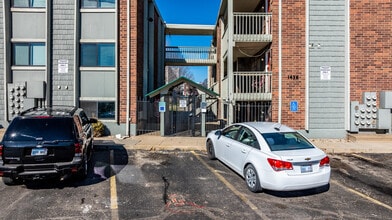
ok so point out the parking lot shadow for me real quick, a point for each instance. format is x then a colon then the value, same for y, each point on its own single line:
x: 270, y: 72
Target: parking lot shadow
x: 108, y: 159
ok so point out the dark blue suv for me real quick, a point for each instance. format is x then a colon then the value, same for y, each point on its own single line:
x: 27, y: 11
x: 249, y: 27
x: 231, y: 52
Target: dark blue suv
x: 46, y: 142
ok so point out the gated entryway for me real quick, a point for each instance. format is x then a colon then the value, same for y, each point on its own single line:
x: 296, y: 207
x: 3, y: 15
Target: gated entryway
x: 179, y: 108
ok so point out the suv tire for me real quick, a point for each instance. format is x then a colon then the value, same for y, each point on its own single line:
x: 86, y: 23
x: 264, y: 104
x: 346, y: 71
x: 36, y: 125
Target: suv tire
x: 9, y: 181
x: 83, y: 171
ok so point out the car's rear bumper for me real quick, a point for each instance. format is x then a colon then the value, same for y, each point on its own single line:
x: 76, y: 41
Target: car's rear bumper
x: 40, y: 171
x: 280, y: 181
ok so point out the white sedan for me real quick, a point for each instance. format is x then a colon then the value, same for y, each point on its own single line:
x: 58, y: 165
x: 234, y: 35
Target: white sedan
x: 270, y: 156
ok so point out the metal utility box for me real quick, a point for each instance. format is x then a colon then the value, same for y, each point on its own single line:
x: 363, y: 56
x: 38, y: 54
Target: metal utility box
x: 355, y: 116
x: 386, y: 99
x: 384, y: 119
x: 16, y: 97
x: 363, y: 116
x: 36, y: 89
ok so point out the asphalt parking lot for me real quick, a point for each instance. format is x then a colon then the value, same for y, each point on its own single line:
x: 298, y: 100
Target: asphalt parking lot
x: 147, y: 184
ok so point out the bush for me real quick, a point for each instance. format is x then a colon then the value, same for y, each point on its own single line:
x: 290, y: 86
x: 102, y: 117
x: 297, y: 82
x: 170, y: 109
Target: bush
x: 99, y: 129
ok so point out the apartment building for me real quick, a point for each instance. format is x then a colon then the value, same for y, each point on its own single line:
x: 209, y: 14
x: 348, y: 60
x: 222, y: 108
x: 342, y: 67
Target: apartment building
x: 320, y: 66
x: 100, y: 55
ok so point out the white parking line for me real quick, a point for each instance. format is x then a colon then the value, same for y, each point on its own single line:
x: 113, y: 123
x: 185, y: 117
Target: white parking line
x: 375, y: 201
x: 232, y: 188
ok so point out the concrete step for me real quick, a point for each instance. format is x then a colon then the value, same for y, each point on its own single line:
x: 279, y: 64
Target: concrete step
x: 370, y: 137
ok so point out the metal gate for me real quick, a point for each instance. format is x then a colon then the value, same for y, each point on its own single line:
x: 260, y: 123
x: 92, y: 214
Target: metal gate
x: 182, y: 117
x: 186, y: 116
x: 148, y: 117
x: 252, y: 111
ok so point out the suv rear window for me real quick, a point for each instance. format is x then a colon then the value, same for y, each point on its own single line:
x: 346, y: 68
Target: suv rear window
x: 286, y: 141
x: 29, y: 129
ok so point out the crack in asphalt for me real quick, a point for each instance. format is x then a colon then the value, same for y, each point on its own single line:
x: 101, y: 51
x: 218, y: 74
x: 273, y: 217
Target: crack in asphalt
x: 165, y: 189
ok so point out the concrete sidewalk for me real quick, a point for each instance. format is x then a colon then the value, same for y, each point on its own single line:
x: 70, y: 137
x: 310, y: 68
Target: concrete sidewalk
x: 150, y: 142
x: 372, y: 144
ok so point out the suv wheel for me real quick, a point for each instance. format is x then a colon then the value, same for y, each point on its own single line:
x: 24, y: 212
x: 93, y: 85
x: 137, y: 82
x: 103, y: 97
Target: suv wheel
x: 9, y: 181
x: 83, y: 171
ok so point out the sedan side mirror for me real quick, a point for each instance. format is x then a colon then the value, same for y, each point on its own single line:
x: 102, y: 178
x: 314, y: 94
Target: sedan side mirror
x: 218, y: 133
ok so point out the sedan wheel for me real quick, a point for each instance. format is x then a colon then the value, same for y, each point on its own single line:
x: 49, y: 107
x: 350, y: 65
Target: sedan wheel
x: 210, y: 150
x: 252, y: 179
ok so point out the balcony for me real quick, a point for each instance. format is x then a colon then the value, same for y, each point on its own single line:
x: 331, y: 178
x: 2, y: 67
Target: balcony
x: 252, y: 27
x: 190, y: 56
x: 252, y: 86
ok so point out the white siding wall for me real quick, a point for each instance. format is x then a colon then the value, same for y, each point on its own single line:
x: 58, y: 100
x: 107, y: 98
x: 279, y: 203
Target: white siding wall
x: 327, y: 22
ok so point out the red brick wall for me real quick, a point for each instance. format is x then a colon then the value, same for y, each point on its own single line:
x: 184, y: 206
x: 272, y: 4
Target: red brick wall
x: 370, y: 47
x: 136, y: 57
x: 122, y: 62
x: 293, y: 62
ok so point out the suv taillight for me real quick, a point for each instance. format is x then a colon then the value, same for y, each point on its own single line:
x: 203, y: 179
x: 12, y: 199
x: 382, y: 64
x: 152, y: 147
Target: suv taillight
x: 279, y: 165
x: 324, y: 161
x: 1, y: 150
x: 78, y: 149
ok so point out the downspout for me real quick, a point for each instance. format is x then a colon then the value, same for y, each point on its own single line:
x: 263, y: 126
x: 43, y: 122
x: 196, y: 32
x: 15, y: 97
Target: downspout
x: 145, y: 49
x: 5, y: 72
x: 76, y: 82
x: 48, y: 59
x: 151, y: 45
x: 347, y: 64
x: 230, y: 45
x: 280, y: 62
x: 307, y: 65
x: 127, y: 130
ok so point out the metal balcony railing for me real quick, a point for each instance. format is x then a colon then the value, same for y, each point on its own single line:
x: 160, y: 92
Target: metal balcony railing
x: 252, y: 85
x: 190, y: 55
x: 252, y: 27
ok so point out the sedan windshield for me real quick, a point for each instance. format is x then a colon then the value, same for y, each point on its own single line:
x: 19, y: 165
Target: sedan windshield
x: 286, y: 141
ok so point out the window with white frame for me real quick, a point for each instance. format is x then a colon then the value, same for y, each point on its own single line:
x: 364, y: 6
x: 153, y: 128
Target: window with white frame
x: 104, y: 110
x: 28, y: 3
x: 97, y: 55
x: 98, y: 3
x: 28, y: 54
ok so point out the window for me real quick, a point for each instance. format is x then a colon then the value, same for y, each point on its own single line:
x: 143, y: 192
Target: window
x: 97, y: 55
x: 231, y: 132
x: 247, y: 137
x: 51, y: 128
x: 100, y: 110
x: 98, y: 3
x: 286, y: 141
x: 28, y: 54
x: 29, y: 3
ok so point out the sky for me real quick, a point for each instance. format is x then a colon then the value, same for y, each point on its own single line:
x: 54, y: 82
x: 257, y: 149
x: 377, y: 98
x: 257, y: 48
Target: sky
x: 189, y: 12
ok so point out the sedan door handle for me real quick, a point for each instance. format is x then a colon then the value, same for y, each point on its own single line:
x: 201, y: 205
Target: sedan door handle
x: 243, y: 151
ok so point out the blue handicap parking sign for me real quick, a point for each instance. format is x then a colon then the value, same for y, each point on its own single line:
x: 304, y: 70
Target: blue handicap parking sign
x: 162, y: 106
x: 294, y: 106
